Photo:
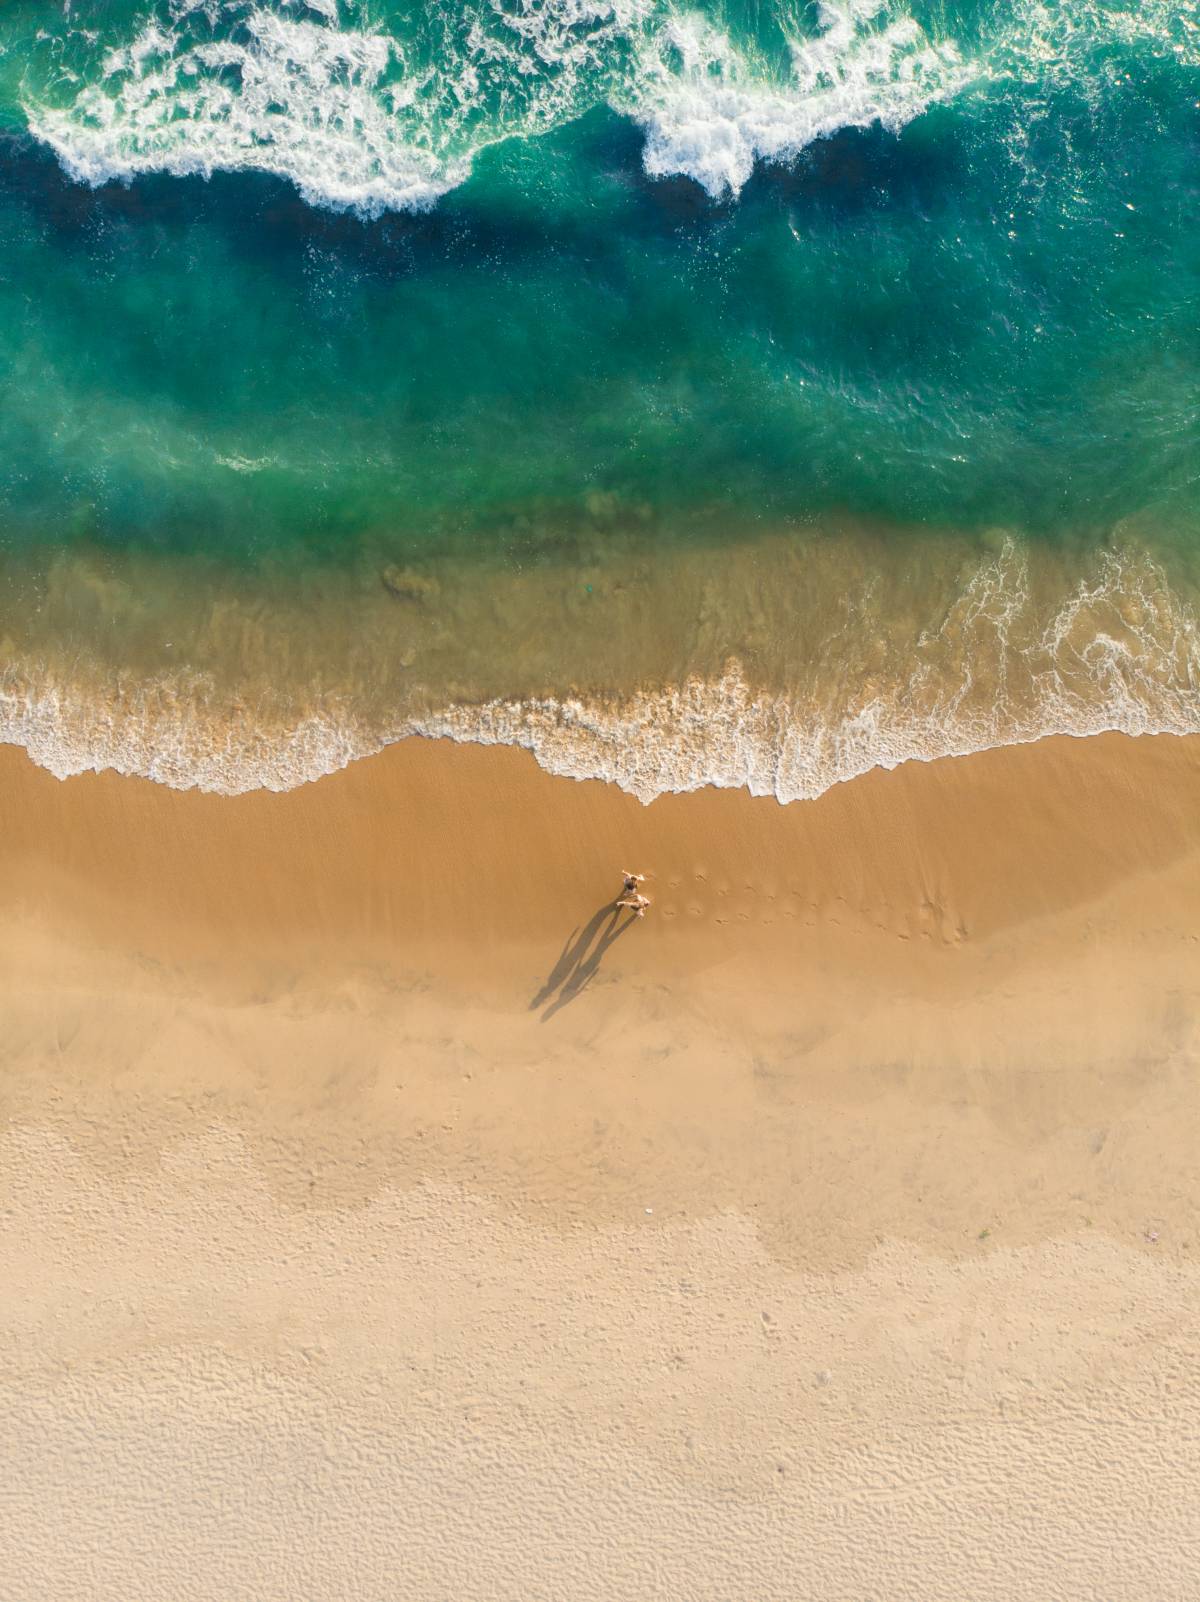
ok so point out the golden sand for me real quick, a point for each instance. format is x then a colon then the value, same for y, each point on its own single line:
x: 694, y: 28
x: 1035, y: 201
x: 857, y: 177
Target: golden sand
x: 384, y: 1220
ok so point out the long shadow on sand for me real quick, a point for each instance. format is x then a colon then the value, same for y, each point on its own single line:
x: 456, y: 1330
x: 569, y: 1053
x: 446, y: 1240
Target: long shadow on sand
x: 581, y: 957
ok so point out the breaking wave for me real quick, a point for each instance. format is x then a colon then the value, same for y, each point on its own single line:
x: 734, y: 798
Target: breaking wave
x: 372, y: 115
x: 709, y: 117
x: 364, y: 119
x: 303, y: 99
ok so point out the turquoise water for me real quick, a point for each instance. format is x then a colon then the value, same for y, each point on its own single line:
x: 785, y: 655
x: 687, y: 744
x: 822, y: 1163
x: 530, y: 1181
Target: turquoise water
x: 296, y: 289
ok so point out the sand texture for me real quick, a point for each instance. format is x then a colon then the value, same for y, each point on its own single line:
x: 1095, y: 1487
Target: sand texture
x: 385, y: 1220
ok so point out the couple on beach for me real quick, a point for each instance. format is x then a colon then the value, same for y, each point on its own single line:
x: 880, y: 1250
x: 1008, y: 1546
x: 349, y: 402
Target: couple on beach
x: 631, y: 896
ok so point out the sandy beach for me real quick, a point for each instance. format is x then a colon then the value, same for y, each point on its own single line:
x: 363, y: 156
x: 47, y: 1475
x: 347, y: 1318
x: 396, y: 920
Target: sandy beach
x: 387, y: 1218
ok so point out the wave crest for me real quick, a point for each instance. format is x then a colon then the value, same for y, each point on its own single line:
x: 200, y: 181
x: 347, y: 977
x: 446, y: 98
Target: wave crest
x: 376, y: 108
x: 359, y: 118
x: 302, y: 99
x: 709, y: 116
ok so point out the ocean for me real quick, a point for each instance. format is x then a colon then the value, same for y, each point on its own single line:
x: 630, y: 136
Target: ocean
x: 747, y: 394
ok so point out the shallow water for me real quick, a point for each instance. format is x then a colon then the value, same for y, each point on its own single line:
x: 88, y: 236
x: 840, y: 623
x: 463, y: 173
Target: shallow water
x: 746, y: 394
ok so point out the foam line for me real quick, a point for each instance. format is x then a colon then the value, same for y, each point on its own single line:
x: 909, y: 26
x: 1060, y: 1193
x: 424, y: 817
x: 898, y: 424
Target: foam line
x: 1120, y: 653
x: 360, y: 119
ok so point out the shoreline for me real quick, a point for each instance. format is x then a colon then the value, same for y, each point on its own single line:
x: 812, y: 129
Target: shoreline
x: 818, y: 656
x: 845, y: 1210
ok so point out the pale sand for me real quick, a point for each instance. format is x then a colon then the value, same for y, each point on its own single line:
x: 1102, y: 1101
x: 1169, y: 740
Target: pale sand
x: 837, y: 1240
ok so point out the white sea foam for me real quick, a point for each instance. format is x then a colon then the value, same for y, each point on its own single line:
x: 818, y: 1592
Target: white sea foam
x: 709, y: 114
x: 174, y: 734
x: 360, y: 119
x: 296, y: 97
x: 725, y: 733
x: 357, y: 118
x: 1120, y: 653
x: 317, y: 91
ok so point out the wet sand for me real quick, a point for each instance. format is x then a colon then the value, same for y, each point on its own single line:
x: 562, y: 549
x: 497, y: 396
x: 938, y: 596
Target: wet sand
x: 388, y: 1218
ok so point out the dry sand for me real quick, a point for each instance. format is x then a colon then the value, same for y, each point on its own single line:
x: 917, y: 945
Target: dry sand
x: 830, y: 1234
